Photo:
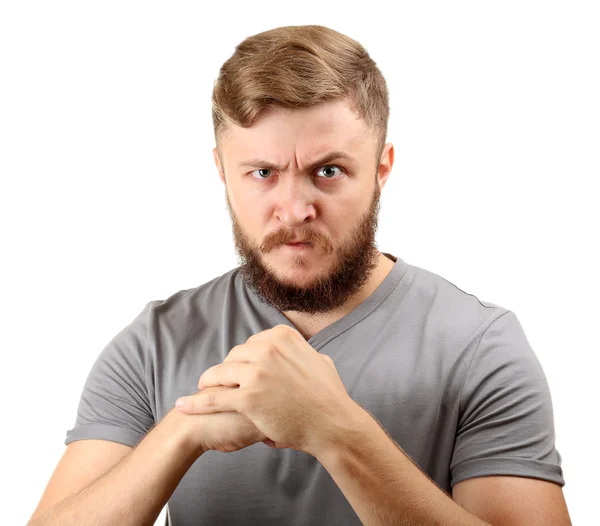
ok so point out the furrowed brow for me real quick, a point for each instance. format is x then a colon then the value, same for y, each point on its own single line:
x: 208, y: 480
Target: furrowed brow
x: 331, y: 156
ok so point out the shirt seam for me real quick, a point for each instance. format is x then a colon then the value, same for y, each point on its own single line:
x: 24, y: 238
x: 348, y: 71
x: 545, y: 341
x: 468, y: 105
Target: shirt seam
x: 353, y: 321
x: 359, y: 318
x: 460, y: 394
x: 150, y: 318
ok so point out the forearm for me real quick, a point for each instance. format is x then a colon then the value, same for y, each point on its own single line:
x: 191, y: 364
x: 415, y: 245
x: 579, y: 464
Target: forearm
x: 383, y: 485
x: 135, y: 490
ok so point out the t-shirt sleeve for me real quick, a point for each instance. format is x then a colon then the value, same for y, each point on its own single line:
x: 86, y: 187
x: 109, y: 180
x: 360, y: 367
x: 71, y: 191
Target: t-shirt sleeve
x: 506, y: 421
x: 115, y: 402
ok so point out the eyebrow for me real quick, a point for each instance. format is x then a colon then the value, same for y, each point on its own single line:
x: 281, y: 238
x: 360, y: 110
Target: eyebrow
x: 331, y: 156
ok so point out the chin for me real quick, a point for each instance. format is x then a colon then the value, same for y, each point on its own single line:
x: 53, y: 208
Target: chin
x: 299, y: 273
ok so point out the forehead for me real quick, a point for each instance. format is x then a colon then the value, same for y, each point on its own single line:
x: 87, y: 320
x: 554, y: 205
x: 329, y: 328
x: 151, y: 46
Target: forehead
x: 281, y: 134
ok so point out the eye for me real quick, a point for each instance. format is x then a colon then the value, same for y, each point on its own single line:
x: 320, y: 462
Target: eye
x: 329, y: 167
x: 261, y: 170
x: 326, y: 169
x: 329, y: 171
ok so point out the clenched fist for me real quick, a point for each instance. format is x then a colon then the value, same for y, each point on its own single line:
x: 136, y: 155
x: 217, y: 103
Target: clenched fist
x: 226, y: 432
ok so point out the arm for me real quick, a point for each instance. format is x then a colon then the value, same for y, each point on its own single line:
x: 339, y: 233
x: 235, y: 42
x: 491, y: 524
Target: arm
x: 382, y: 484
x: 135, y: 490
x: 504, y: 445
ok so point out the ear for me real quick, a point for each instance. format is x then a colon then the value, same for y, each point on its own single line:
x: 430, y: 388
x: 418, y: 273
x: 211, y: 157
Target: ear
x: 218, y: 163
x: 385, y: 164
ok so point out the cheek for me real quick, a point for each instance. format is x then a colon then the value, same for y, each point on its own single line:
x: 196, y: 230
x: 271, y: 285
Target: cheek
x: 335, y: 220
x: 244, y: 206
x: 343, y: 212
x: 254, y: 220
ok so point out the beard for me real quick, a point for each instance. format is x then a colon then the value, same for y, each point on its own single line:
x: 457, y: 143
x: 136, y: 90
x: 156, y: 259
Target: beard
x: 355, y: 259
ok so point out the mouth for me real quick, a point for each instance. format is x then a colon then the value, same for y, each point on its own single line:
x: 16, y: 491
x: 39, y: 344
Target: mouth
x: 298, y: 246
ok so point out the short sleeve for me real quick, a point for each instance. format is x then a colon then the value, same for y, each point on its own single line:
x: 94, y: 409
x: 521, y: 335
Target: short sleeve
x: 115, y: 403
x: 506, y: 422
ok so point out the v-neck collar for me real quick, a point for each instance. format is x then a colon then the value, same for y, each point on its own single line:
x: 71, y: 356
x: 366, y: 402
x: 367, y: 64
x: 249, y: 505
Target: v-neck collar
x: 361, y: 311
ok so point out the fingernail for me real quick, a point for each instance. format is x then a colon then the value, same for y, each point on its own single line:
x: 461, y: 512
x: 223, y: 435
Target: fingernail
x: 179, y: 403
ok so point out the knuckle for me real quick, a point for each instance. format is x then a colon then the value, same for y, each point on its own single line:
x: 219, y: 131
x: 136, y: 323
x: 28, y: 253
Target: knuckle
x: 211, y: 398
x: 269, y: 350
x: 258, y: 374
x: 233, y: 350
x: 288, y: 331
x: 252, y: 338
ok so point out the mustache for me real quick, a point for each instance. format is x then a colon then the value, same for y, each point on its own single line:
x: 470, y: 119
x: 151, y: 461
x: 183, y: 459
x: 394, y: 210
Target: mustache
x: 283, y: 236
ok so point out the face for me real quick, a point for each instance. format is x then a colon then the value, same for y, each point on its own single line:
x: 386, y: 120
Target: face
x: 306, y: 175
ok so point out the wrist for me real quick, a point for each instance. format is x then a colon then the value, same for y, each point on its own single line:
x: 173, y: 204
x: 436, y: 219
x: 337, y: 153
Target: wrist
x: 186, y: 432
x: 350, y: 425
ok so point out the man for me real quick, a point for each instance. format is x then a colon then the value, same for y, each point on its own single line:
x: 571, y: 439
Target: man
x: 336, y: 384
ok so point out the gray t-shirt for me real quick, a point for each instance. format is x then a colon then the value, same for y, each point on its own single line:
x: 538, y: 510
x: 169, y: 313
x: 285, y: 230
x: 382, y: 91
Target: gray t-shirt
x: 452, y: 378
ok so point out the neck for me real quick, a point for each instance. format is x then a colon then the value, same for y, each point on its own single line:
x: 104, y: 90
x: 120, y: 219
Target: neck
x: 310, y: 324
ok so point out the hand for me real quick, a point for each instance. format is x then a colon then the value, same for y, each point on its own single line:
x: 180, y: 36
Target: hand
x: 291, y: 393
x: 226, y: 432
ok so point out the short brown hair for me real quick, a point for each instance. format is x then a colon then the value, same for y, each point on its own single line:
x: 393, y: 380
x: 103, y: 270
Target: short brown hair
x: 295, y: 67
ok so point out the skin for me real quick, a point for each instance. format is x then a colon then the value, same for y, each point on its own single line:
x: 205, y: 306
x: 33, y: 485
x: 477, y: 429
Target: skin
x: 338, y: 216
x: 290, y: 393
x: 333, y: 206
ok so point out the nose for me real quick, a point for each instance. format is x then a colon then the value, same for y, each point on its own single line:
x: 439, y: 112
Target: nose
x: 295, y: 201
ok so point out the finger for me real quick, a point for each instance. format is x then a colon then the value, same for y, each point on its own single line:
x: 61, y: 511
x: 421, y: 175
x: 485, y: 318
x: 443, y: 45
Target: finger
x: 239, y: 353
x: 261, y: 336
x: 213, y: 402
x: 231, y: 374
x: 245, y: 352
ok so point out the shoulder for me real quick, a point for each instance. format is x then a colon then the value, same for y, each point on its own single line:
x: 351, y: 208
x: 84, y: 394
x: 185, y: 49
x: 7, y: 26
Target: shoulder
x: 196, y: 302
x: 445, y: 305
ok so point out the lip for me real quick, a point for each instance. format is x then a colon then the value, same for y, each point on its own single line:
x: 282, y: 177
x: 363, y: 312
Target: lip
x: 298, y: 246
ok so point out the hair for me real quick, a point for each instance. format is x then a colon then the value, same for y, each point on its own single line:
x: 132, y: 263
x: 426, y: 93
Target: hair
x: 299, y: 67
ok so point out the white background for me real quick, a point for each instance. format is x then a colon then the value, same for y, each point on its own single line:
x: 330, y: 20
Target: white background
x: 109, y: 196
